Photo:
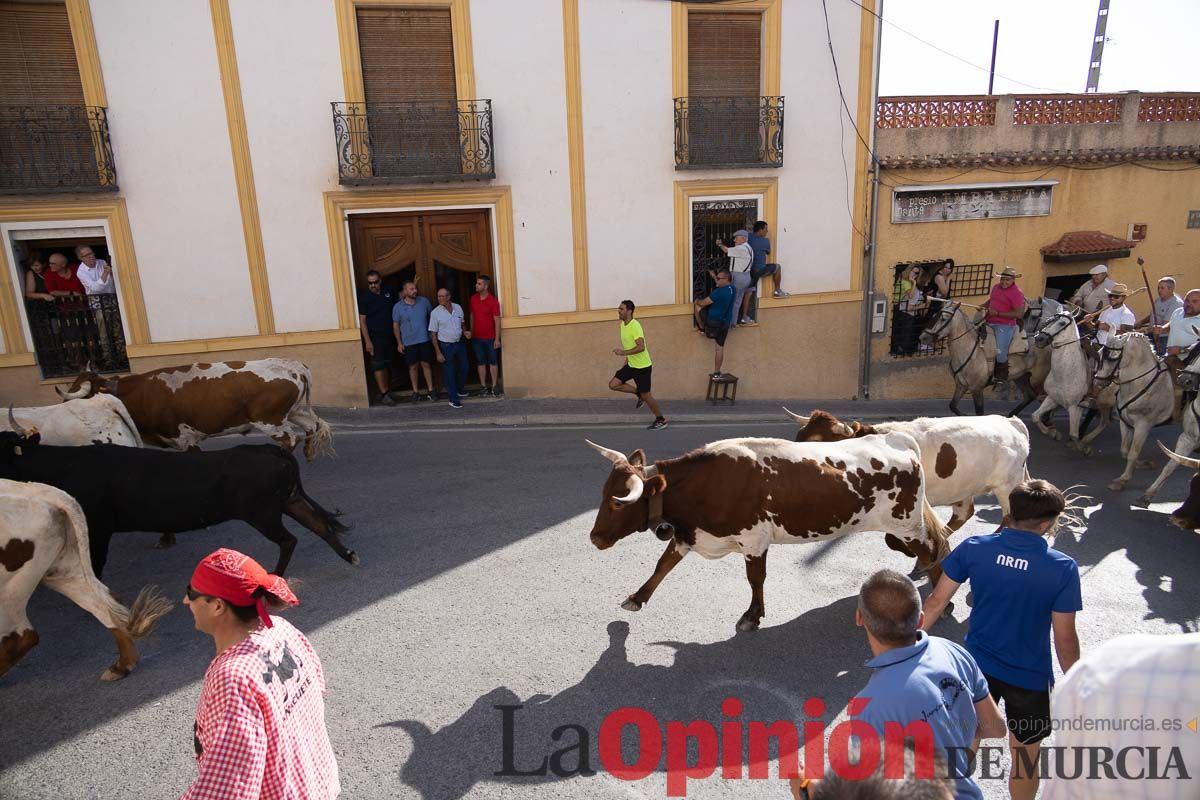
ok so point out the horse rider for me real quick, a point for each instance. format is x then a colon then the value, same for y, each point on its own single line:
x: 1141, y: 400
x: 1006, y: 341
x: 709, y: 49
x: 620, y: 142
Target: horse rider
x: 1090, y: 297
x: 1116, y: 319
x: 1181, y: 335
x: 1005, y: 307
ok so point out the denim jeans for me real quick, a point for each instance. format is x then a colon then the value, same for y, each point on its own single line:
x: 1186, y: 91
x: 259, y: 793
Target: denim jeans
x: 741, y: 282
x: 454, y: 369
x: 1004, y: 337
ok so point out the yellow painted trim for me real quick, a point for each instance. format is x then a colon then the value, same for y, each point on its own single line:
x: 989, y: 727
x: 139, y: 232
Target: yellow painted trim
x: 865, y: 119
x: 338, y: 204
x: 460, y: 23
x: 120, y: 244
x: 772, y: 40
x: 242, y: 343
x: 87, y: 54
x: 685, y: 191
x: 243, y: 168
x: 574, y: 85
x: 16, y: 360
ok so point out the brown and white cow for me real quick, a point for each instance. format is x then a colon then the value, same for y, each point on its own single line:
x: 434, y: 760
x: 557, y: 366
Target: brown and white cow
x: 963, y: 457
x: 102, y: 419
x: 179, y: 407
x: 44, y: 539
x: 743, y: 495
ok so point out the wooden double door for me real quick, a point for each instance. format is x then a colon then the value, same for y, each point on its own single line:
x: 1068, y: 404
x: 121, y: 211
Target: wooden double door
x: 437, y: 249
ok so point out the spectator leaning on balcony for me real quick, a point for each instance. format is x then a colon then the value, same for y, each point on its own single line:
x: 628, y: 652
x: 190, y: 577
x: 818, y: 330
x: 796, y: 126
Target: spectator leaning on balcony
x: 35, y: 281
x: 1093, y: 295
x: 96, y: 275
x: 61, y: 280
x: 741, y: 257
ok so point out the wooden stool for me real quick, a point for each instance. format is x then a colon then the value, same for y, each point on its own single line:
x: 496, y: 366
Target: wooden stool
x: 718, y: 388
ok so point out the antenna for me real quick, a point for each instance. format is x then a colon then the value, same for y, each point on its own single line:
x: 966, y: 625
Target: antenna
x: 1093, y: 79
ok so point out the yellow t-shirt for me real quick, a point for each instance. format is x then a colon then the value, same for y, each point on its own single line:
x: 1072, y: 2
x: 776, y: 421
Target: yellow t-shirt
x: 629, y: 335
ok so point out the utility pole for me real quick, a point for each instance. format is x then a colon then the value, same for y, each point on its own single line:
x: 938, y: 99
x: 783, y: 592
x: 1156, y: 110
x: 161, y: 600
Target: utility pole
x: 995, y: 39
x: 1093, y: 78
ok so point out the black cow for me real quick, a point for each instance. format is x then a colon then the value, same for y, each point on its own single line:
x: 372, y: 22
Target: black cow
x: 130, y: 489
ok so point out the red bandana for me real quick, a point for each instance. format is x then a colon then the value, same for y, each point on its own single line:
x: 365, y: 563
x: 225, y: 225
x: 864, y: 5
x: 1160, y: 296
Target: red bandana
x: 234, y: 577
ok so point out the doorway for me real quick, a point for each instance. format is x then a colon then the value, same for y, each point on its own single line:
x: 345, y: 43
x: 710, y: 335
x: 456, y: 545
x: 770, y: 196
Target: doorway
x: 438, y: 250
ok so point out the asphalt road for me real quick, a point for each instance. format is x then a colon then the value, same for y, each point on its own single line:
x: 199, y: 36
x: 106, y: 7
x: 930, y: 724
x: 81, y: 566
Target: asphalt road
x: 479, y: 588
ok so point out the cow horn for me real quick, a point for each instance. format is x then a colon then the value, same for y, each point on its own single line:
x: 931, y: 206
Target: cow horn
x: 14, y: 425
x: 91, y: 366
x: 842, y: 429
x: 801, y: 421
x: 1190, y: 463
x: 634, y: 495
x: 78, y: 394
x: 614, y: 456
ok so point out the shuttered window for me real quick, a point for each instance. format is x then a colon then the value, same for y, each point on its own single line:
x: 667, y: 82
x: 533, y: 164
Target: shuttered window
x: 407, y: 54
x: 724, y: 54
x: 37, y: 56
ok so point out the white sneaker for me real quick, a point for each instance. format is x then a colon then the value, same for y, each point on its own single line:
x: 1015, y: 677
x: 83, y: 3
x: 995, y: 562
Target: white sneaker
x: 780, y: 294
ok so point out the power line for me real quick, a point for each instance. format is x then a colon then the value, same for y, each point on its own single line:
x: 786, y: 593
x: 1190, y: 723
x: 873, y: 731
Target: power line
x: 841, y: 125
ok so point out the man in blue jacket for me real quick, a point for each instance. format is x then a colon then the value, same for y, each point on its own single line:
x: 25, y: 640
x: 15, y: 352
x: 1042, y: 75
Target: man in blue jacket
x: 720, y: 307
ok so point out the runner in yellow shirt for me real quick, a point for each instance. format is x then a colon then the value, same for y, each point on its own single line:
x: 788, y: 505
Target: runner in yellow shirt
x: 637, y: 364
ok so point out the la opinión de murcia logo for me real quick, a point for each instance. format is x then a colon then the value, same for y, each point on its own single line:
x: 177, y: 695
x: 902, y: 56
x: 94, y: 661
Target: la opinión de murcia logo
x: 695, y: 750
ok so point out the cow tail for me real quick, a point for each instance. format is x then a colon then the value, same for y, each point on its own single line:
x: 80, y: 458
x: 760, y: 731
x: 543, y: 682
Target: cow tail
x: 330, y: 518
x: 319, y: 438
x: 149, y: 606
x: 938, y: 533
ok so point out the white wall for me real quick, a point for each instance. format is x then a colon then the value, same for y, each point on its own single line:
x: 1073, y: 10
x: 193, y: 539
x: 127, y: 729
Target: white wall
x: 519, y: 65
x: 290, y: 69
x: 171, y: 145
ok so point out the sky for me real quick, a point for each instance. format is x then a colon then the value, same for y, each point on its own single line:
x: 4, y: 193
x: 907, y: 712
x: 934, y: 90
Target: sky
x: 1044, y: 46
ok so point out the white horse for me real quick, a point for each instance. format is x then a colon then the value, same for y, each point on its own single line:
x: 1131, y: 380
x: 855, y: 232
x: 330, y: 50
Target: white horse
x: 972, y: 355
x: 1145, y: 394
x: 1068, y: 382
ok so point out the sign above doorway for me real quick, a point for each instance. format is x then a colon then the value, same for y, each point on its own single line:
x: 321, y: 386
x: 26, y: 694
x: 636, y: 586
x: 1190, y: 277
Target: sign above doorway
x: 971, y: 201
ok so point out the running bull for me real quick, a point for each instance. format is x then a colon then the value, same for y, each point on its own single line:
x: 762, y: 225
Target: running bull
x: 771, y: 492
x: 127, y: 489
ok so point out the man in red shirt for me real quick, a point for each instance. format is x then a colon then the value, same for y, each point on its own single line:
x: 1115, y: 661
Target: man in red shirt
x: 1006, y: 307
x: 484, y: 333
x: 61, y: 280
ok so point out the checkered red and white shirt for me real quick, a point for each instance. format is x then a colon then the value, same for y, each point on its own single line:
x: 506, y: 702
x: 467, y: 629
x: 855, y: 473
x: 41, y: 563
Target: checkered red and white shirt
x: 260, y: 724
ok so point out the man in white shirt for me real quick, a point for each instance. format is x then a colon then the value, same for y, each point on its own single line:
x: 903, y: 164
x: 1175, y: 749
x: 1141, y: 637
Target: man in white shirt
x: 1117, y: 318
x: 96, y: 275
x: 1165, y: 305
x: 1090, y: 297
x: 1104, y: 703
x: 740, y: 259
x: 446, y: 327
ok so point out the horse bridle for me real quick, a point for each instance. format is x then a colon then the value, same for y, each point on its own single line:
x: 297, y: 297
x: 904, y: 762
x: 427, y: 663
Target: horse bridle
x: 1067, y: 319
x: 1158, y: 369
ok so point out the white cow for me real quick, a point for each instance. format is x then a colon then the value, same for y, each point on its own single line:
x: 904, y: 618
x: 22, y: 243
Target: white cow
x: 102, y: 419
x: 962, y: 456
x: 43, y: 539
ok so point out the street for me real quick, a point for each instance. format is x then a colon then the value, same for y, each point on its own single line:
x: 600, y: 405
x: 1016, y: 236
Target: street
x: 479, y: 588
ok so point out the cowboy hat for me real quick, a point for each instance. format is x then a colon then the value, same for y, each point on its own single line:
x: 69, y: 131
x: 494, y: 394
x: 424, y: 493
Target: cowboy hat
x: 1008, y: 272
x: 1118, y: 289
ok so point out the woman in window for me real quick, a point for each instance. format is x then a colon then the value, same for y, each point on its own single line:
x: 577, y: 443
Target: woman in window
x: 35, y: 281
x: 908, y: 302
x: 940, y: 285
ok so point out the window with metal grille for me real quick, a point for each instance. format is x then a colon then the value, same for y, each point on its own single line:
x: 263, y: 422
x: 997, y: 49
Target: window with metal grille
x: 966, y: 281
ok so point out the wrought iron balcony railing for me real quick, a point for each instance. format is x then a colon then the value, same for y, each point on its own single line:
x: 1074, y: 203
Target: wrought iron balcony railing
x: 55, y: 149
x: 71, y: 331
x: 728, y: 132
x: 426, y: 140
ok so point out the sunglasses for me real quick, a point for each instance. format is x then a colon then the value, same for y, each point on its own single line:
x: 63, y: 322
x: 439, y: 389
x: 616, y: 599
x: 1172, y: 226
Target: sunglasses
x: 372, y: 283
x: 193, y: 595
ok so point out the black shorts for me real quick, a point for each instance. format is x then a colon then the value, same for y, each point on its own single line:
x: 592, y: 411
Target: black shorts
x: 420, y: 353
x: 384, y: 344
x: 639, y: 375
x: 717, y: 333
x: 1027, y: 710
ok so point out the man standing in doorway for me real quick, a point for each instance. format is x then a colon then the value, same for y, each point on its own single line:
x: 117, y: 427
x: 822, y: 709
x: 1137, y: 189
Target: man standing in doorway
x: 720, y: 316
x: 638, y: 365
x: 446, y: 325
x: 410, y: 325
x: 375, y: 325
x: 96, y: 275
x: 740, y: 259
x: 484, y: 333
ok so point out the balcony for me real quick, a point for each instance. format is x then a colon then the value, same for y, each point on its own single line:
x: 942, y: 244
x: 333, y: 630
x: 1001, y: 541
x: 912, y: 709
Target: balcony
x: 55, y: 149
x: 728, y: 132
x: 414, y: 142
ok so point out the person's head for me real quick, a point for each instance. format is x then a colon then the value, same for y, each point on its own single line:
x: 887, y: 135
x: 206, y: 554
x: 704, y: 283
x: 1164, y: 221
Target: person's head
x: 1036, y: 505
x: 37, y: 266
x: 483, y: 284
x: 1191, y: 302
x: 230, y: 591
x: 889, y: 607
x: 946, y: 269
x: 1117, y: 295
x: 375, y: 281
x: 723, y: 277
x: 625, y: 310
x: 925, y: 777
x: 409, y: 289
x: 86, y: 255
x: 740, y: 237
x: 1166, y: 287
x: 760, y: 228
x: 58, y: 262
x: 914, y: 273
x: 1007, y: 277
x: 1099, y: 274
x: 443, y: 297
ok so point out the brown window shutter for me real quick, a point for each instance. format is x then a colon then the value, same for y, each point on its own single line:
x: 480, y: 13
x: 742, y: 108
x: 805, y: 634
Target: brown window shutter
x: 407, y: 54
x: 37, y: 56
x: 724, y: 54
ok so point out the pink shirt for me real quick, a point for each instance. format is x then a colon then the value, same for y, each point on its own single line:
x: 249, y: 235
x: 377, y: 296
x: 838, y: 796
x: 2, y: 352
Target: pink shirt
x: 1010, y: 299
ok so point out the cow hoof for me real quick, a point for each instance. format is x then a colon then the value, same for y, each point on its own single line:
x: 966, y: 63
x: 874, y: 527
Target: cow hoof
x: 1116, y: 486
x: 115, y: 673
x: 747, y: 624
x: 353, y: 558
x: 1143, y: 501
x: 631, y: 605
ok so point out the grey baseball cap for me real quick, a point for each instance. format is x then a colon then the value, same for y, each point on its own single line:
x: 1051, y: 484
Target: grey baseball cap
x: 742, y: 232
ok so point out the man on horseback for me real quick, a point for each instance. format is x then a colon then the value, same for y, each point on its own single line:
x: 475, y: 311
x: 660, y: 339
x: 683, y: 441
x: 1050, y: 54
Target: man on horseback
x: 1005, y: 307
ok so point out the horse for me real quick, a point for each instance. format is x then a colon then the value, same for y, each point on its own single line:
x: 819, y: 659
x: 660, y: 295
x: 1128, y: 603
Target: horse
x: 1068, y: 382
x: 1145, y: 395
x: 1189, y: 438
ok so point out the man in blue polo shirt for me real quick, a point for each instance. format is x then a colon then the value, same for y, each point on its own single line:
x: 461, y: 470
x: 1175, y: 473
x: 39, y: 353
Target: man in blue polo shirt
x: 720, y: 317
x: 917, y: 678
x: 1024, y: 589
